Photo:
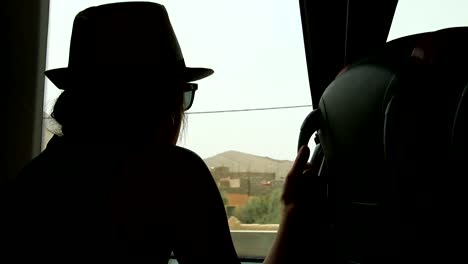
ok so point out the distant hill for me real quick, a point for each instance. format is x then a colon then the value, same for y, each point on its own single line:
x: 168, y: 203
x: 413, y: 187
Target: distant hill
x: 242, y: 162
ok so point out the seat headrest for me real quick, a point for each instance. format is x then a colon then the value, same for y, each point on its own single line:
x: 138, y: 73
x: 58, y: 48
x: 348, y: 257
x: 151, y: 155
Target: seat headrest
x: 352, y: 106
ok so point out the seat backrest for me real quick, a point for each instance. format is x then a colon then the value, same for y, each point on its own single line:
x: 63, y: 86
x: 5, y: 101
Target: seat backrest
x: 393, y: 132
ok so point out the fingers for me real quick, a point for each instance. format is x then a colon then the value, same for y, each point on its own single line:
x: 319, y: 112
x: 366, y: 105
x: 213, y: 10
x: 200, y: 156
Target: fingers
x: 293, y: 180
x: 300, y: 163
x: 308, y: 167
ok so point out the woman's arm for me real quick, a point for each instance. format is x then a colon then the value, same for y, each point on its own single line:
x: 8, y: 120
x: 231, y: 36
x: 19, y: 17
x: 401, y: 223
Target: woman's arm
x: 288, y: 240
x: 303, y: 233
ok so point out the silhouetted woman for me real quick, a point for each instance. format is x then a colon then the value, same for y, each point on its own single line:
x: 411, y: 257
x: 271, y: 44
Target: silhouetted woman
x: 113, y: 186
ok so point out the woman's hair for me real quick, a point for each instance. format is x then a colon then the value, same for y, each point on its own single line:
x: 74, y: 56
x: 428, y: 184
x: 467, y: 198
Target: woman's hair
x: 109, y: 108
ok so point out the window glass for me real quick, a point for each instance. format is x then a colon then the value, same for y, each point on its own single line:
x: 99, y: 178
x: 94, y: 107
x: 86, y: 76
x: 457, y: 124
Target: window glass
x: 246, y: 117
x: 418, y: 16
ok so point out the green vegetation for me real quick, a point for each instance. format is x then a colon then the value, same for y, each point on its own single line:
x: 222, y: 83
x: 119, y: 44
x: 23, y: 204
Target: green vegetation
x: 225, y: 199
x: 263, y: 209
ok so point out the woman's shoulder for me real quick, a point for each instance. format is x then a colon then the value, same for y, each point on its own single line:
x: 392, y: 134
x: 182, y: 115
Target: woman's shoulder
x: 40, y: 166
x: 186, y: 153
x: 186, y: 158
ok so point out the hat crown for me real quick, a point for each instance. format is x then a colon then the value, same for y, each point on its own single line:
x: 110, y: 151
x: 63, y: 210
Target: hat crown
x: 123, y: 37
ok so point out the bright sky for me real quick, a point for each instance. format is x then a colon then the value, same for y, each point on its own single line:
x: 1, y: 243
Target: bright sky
x: 256, y: 50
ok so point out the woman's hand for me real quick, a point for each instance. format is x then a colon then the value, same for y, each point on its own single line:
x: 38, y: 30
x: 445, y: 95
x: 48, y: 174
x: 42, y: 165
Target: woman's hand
x: 296, y: 179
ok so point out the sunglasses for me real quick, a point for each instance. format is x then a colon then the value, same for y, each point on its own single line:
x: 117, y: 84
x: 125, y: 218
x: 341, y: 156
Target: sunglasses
x: 189, y: 94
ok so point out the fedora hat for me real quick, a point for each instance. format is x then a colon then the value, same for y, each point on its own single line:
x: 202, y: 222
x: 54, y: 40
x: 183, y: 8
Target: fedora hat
x: 124, y: 40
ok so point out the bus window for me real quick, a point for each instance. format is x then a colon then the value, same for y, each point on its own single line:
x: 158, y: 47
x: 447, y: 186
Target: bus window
x: 246, y: 117
x: 427, y: 16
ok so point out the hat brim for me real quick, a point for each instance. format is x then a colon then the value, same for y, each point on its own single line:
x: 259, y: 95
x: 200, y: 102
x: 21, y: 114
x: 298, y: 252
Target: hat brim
x: 63, y: 78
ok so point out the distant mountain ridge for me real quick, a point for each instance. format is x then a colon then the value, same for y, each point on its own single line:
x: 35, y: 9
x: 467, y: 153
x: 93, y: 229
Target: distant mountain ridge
x: 238, y: 161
